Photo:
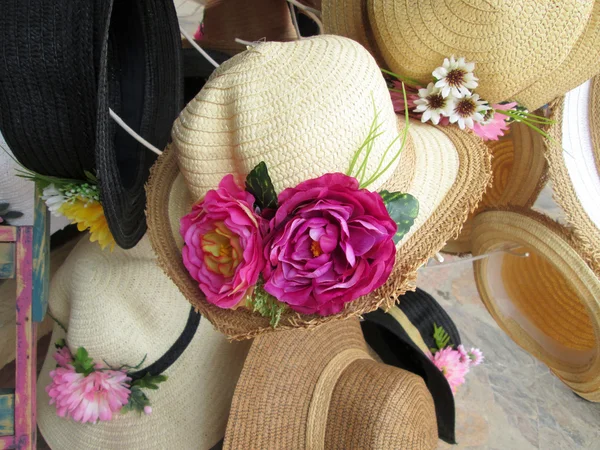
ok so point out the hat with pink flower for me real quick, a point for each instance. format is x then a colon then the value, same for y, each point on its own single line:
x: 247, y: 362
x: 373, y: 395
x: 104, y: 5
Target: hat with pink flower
x: 293, y: 195
x: 132, y: 358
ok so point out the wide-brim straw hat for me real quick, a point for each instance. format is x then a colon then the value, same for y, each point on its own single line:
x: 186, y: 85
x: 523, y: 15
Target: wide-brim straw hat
x: 320, y: 389
x: 548, y: 302
x: 403, y: 336
x: 573, y: 154
x: 287, y: 104
x: 530, y: 53
x: 121, y: 308
x: 519, y: 173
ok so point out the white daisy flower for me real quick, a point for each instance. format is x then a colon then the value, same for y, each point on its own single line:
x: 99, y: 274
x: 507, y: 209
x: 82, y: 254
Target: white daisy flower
x: 455, y: 77
x: 432, y: 105
x: 54, y: 199
x: 468, y: 110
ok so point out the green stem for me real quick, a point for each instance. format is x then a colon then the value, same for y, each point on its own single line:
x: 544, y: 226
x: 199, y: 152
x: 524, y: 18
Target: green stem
x: 402, y: 78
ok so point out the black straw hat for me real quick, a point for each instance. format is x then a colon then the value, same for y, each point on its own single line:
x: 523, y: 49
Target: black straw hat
x: 398, y: 337
x: 65, y: 64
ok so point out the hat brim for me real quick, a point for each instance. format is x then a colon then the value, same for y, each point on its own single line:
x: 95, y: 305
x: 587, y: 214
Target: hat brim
x: 520, y: 172
x: 573, y: 157
x: 549, y: 302
x: 141, y: 80
x: 446, y: 169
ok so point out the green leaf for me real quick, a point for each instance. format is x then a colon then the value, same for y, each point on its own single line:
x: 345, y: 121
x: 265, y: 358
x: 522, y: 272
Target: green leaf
x: 90, y: 177
x: 137, y: 401
x: 149, y: 381
x: 82, y: 362
x: 61, y: 343
x: 265, y: 304
x: 259, y: 184
x: 440, y: 337
x: 403, y: 209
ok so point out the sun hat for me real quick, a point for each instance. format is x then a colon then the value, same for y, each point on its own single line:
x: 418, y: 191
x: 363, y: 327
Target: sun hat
x: 320, y: 389
x: 523, y: 52
x: 519, y: 173
x: 403, y: 336
x: 548, y: 302
x: 260, y: 106
x: 58, y: 82
x: 573, y: 157
x: 122, y: 309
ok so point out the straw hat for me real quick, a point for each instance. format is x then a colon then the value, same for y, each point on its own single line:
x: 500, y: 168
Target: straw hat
x: 549, y: 302
x: 524, y: 52
x: 403, y: 336
x: 519, y: 173
x: 574, y: 160
x: 320, y: 389
x: 114, y: 305
x: 287, y: 104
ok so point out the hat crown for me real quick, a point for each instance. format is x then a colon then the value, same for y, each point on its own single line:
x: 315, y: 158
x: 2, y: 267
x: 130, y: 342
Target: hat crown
x: 303, y: 107
x: 118, y: 305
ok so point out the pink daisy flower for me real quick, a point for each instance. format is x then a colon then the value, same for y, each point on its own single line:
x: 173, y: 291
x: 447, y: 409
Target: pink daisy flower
x: 494, y: 124
x: 63, y: 356
x: 475, y: 356
x: 449, y: 362
x: 464, y: 355
x: 88, y: 398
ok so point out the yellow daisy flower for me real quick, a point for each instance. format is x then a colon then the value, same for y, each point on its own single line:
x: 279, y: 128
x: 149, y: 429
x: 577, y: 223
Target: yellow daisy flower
x: 89, y: 215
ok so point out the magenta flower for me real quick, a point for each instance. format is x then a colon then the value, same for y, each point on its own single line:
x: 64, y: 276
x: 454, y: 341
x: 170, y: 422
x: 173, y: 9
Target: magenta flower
x: 63, y: 356
x: 449, y: 362
x: 328, y: 244
x: 495, y: 126
x: 88, y: 398
x: 223, y: 245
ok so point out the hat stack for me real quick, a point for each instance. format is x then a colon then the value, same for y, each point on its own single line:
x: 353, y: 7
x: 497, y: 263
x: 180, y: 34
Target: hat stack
x: 549, y: 301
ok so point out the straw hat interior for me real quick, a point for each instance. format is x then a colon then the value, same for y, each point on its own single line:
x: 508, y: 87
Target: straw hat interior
x: 122, y: 308
x: 557, y: 317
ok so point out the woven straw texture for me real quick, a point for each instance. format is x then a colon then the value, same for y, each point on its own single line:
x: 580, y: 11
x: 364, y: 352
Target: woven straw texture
x: 572, y: 163
x: 244, y: 116
x: 549, y: 303
x: 513, y: 43
x: 519, y: 172
x: 114, y: 305
x: 594, y: 116
x: 362, y: 404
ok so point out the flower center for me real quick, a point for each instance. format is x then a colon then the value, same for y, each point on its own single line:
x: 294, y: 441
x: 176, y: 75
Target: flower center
x: 465, y: 107
x: 436, y: 101
x: 222, y: 251
x: 316, y: 249
x: 455, y: 77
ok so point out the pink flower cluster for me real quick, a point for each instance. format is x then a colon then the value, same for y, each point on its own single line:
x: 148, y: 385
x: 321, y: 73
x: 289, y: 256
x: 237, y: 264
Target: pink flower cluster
x: 90, y: 398
x: 455, y: 363
x: 327, y: 244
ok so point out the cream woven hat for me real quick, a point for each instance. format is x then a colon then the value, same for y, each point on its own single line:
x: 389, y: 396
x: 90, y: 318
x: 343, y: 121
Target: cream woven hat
x: 121, y: 307
x: 530, y: 52
x: 519, y: 173
x: 574, y: 161
x: 549, y: 302
x: 288, y: 104
x: 320, y: 389
x: 19, y: 192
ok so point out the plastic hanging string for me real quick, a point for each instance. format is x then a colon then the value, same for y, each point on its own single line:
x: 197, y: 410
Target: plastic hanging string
x: 442, y: 264
x: 313, y: 13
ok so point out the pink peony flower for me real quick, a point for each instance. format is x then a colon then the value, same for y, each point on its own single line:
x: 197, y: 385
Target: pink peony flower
x: 412, y: 94
x: 449, y: 362
x: 88, y: 398
x: 223, y: 246
x: 496, y: 126
x: 63, y: 356
x: 328, y: 244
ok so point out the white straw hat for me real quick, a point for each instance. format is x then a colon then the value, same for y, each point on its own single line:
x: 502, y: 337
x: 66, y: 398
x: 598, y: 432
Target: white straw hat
x: 19, y: 192
x: 574, y: 161
x: 121, y: 308
x: 304, y: 108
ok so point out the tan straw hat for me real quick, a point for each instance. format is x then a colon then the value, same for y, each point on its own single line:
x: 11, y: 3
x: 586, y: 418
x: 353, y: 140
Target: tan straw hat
x: 574, y: 161
x: 121, y: 308
x: 519, y: 173
x: 320, y: 389
x: 288, y: 104
x: 530, y: 52
x: 548, y: 302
